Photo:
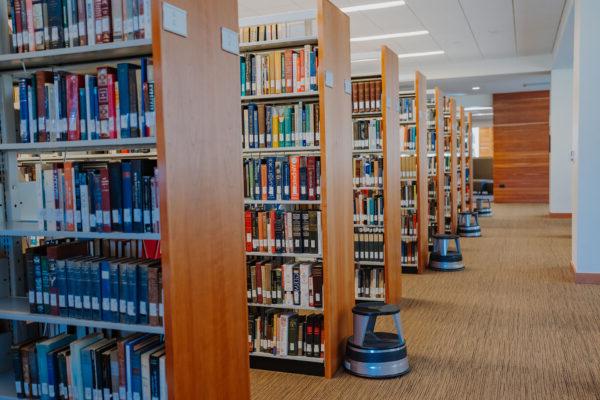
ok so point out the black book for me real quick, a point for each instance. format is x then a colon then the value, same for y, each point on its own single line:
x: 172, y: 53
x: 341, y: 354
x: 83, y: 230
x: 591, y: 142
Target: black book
x: 297, y: 231
x: 305, y: 232
x: 116, y: 197
x: 313, y: 232
x: 303, y: 179
x: 147, y: 203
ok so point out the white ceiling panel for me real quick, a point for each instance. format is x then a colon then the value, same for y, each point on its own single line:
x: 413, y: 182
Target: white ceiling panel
x: 361, y: 25
x: 393, y: 20
x: 493, y: 26
x: 266, y: 7
x: 536, y: 24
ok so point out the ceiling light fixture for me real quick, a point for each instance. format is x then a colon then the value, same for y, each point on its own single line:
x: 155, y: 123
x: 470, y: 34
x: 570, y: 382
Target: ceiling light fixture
x: 364, y: 60
x: 389, y: 36
x: 483, y: 114
x: 477, y: 108
x: 374, y: 6
x: 422, y: 54
x: 475, y: 88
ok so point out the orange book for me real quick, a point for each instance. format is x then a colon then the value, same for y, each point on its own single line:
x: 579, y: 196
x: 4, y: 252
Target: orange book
x: 261, y: 232
x: 294, y: 177
x: 289, y: 84
x: 301, y: 74
x: 69, y: 196
x: 263, y: 181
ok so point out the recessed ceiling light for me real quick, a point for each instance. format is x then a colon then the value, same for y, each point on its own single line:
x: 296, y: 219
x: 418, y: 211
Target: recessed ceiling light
x: 425, y: 53
x: 389, y: 36
x: 374, y: 6
x: 475, y: 88
x: 477, y: 108
x: 364, y: 60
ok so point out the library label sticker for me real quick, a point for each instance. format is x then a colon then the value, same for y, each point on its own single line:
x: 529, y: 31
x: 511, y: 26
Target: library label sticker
x: 347, y: 86
x: 229, y: 41
x: 328, y: 78
x: 174, y: 19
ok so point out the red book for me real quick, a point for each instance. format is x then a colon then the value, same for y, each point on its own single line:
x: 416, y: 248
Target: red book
x: 308, y: 339
x: 317, y: 336
x: 30, y: 39
x: 289, y: 68
x: 259, y: 295
x: 98, y: 20
x: 301, y: 66
x: 107, y: 77
x: 311, y: 177
x: 105, y: 190
x: 69, y: 196
x: 74, y: 82
x: 19, y: 26
x: 294, y: 177
x: 41, y: 78
x: 248, y: 225
x: 81, y: 20
x: 106, y: 21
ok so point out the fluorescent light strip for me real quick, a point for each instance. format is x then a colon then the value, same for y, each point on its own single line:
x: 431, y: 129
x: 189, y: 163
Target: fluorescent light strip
x: 389, y: 36
x: 422, y: 54
x: 364, y: 60
x: 477, y: 108
x: 483, y: 114
x: 374, y: 6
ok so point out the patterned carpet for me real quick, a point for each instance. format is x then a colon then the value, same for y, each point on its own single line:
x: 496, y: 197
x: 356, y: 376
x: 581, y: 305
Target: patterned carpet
x: 511, y: 326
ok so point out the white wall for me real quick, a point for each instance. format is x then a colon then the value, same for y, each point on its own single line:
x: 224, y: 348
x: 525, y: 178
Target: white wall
x: 561, y: 131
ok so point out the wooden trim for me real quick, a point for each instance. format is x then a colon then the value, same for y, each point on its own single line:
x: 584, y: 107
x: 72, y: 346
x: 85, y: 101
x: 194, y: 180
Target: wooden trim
x: 470, y: 161
x: 560, y: 215
x: 392, y: 196
x: 453, y: 168
x: 202, y: 220
x: 335, y: 111
x: 463, y: 161
x: 584, y: 278
x: 422, y: 176
x: 441, y: 174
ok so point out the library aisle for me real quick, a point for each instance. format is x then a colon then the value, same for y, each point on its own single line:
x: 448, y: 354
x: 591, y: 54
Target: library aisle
x: 511, y: 326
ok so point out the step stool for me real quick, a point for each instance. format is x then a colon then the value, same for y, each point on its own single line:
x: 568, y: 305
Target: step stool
x: 468, y: 224
x: 483, y: 211
x: 442, y: 258
x: 376, y: 354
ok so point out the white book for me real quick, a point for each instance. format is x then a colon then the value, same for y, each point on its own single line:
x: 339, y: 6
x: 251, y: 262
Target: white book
x: 282, y: 332
x: 48, y: 177
x: 147, y: 19
x: 84, y: 196
x: 163, y: 378
x: 146, y: 392
x: 90, y: 22
x: 305, y: 270
x: 51, y: 121
x: 39, y: 189
x: 32, y: 109
x: 117, y: 20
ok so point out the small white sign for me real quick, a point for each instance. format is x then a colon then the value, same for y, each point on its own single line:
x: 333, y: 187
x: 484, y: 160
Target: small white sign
x: 347, y: 86
x: 174, y: 19
x: 388, y: 103
x: 230, y: 41
x: 328, y: 78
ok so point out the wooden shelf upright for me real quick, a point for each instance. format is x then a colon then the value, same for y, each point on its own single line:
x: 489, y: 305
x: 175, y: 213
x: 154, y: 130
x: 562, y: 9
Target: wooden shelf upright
x: 335, y: 205
x: 454, y: 201
x: 441, y: 170
x: 470, y: 162
x: 463, y: 161
x: 422, y: 178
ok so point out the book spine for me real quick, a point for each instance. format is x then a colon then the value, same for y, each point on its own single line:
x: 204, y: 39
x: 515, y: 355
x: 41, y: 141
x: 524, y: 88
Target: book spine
x: 105, y: 196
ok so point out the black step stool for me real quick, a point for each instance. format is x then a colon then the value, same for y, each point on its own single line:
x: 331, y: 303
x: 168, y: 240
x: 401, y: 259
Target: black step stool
x: 468, y: 224
x: 443, y: 258
x: 483, y: 210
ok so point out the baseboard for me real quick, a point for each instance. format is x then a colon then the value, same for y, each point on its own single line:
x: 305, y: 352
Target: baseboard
x: 560, y: 215
x: 585, y: 278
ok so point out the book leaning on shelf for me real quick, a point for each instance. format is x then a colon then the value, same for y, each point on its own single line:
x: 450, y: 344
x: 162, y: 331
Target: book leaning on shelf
x: 285, y: 333
x: 65, y: 280
x: 279, y: 71
x: 114, y: 103
x: 99, y: 196
x: 90, y: 367
x: 51, y: 24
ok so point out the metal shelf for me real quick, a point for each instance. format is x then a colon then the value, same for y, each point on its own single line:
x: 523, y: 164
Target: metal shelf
x: 282, y: 202
x: 286, y: 307
x: 273, y: 151
x: 277, y: 44
x: 306, y: 256
x: 370, y: 263
x: 366, y: 114
x: 17, y: 309
x: 368, y: 151
x: 359, y: 298
x: 80, y: 145
x: 76, y: 55
x: 279, y: 96
x: 295, y: 358
x: 31, y: 229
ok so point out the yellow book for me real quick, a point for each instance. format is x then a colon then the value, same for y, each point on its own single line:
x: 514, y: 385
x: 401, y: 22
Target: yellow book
x: 275, y: 126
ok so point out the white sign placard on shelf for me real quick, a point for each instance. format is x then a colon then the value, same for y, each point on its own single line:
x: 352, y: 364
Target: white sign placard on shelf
x: 230, y: 41
x: 328, y: 78
x: 174, y: 19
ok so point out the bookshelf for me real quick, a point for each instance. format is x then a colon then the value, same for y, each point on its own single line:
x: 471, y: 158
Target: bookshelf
x: 441, y: 162
x: 454, y: 153
x: 334, y: 154
x: 386, y: 146
x: 470, y: 197
x: 184, y: 148
x: 463, y: 159
x: 422, y: 171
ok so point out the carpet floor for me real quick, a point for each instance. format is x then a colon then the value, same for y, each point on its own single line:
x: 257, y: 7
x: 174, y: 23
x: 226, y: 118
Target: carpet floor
x: 512, y: 325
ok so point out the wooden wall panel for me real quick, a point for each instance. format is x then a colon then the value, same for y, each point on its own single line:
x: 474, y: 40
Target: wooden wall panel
x: 521, y: 147
x: 486, y: 142
x: 391, y: 179
x: 422, y: 176
x: 197, y: 100
x: 336, y: 181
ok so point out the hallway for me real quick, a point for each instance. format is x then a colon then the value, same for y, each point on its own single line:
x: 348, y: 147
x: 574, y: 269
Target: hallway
x: 498, y: 330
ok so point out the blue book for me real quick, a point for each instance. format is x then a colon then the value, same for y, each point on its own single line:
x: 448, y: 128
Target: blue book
x: 142, y: 292
x: 123, y: 293
x: 86, y: 292
x: 52, y: 286
x: 106, y: 290
x: 136, y: 339
x: 251, y: 139
x: 78, y: 290
x: 53, y: 372
x: 39, y: 293
x: 133, y: 353
x: 86, y: 367
x: 42, y: 349
x: 76, y: 188
x: 98, y: 202
x: 257, y: 186
x: 254, y: 131
x: 76, y: 372
x: 95, y: 287
x: 132, y: 294
x: 242, y: 75
x: 96, y: 112
x: 127, y: 196
x: 90, y: 109
x: 123, y: 83
x: 83, y: 115
x: 285, y: 178
x: 45, y: 285
x: 114, y: 290
x: 61, y: 284
x: 271, y: 190
x: 313, y: 71
x: 137, y: 168
x: 269, y: 126
x: 92, y: 201
x: 144, y: 81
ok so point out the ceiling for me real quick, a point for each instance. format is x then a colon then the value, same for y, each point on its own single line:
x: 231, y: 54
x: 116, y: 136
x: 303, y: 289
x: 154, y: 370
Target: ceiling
x: 475, y: 33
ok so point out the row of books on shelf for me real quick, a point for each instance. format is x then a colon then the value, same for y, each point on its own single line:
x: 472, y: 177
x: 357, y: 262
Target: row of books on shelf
x: 431, y: 138
x: 408, y: 167
x: 283, y: 178
x: 285, y: 333
x: 366, y: 96
x: 280, y: 31
x: 366, y: 134
x: 409, y: 223
x: 410, y: 252
x: 369, y: 282
x: 294, y: 284
x: 274, y: 126
x: 280, y: 232
x: 114, y: 103
x: 407, y: 109
x: 279, y: 71
x: 367, y: 171
x: 94, y: 366
x: 409, y: 194
x: 432, y: 165
x: 51, y: 24
x: 368, y: 208
x: 63, y: 280
x: 408, y: 138
x: 98, y: 196
x: 368, y: 244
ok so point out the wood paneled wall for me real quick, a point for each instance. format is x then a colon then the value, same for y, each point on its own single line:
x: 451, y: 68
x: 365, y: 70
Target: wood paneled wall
x: 521, y: 147
x: 486, y: 142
